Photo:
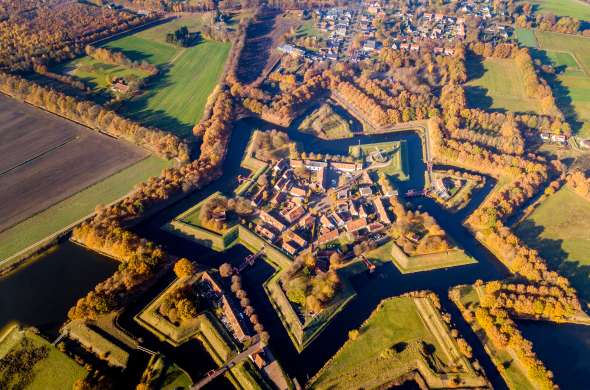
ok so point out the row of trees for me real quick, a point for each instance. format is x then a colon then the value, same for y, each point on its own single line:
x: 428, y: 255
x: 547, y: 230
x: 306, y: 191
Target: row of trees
x: 226, y: 270
x: 531, y: 300
x: 108, y: 56
x: 57, y: 31
x: 94, y: 116
x: 502, y: 331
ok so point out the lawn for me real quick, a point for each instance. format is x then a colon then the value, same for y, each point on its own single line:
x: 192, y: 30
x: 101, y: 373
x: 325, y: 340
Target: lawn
x: 388, y: 344
x: 496, y: 84
x: 560, y: 229
x: 55, y: 371
x: 77, y: 206
x: 574, y: 8
x: 174, y: 100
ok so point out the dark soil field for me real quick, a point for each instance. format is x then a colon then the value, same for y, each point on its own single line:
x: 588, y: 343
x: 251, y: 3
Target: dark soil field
x: 260, y: 54
x: 45, y: 159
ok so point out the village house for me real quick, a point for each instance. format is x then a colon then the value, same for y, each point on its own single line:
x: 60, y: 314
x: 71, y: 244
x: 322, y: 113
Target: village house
x: 365, y: 191
x: 232, y: 319
x: 346, y: 167
x: 356, y: 225
x: 383, y: 217
x: 272, y: 221
x: 290, y: 249
x: 328, y: 237
x: 297, y: 191
x: 264, y: 232
x: 293, y: 214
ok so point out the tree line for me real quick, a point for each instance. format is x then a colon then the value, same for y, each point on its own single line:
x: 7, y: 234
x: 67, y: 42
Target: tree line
x: 102, y: 54
x: 94, y: 116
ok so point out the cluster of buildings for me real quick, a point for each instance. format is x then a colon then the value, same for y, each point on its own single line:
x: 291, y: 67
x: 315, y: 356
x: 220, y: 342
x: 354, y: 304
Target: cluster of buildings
x: 232, y: 317
x: 307, y: 211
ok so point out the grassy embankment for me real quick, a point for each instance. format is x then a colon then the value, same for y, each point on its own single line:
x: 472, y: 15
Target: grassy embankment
x: 174, y: 100
x: 513, y: 372
x: 559, y: 229
x: 496, y: 84
x: 402, y: 334
x: 55, y: 371
x: 77, y: 206
x: 325, y: 123
x: 410, y: 264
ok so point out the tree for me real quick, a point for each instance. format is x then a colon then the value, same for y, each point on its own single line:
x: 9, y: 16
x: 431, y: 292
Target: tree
x: 225, y: 270
x: 183, y: 267
x: 353, y: 334
x: 186, y: 309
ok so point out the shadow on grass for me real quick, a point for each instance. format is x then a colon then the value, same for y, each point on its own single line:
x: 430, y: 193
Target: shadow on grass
x: 557, y: 259
x: 138, y: 107
x: 560, y: 92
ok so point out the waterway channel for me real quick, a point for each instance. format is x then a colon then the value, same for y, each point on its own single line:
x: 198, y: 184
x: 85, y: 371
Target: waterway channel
x: 41, y: 293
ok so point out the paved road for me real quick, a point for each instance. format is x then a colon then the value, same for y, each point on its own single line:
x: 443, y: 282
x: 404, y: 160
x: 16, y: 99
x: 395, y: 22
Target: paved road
x: 258, y: 345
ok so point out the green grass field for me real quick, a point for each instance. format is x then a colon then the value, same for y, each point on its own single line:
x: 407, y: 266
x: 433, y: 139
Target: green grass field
x: 574, y: 8
x: 383, y: 350
x: 499, y: 87
x: 77, y: 206
x: 526, y: 37
x: 174, y: 100
x: 560, y: 229
x: 56, y: 371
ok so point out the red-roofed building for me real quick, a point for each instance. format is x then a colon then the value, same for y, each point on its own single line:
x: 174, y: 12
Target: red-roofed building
x: 356, y: 225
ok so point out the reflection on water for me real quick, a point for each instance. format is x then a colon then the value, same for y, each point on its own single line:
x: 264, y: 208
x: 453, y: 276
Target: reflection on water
x: 41, y: 293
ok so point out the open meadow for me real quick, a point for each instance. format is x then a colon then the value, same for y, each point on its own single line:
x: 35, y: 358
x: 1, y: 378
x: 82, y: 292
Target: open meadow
x: 496, y: 84
x: 46, y: 159
x: 574, y: 8
x: 174, y: 100
x: 560, y: 229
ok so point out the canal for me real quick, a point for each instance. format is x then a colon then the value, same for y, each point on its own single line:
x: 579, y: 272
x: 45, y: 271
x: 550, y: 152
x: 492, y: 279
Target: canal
x: 41, y: 293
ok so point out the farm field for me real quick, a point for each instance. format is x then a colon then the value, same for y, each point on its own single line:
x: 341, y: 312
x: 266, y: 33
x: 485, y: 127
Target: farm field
x: 574, y: 8
x: 560, y: 229
x: 496, y: 84
x: 570, y: 54
x: 53, y: 371
x: 46, y: 159
x: 325, y: 123
x: 171, y: 101
x: 77, y: 206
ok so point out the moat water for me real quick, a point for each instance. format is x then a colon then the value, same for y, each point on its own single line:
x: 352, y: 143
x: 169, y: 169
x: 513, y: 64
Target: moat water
x: 41, y: 293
